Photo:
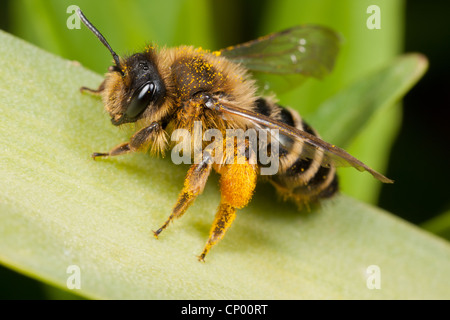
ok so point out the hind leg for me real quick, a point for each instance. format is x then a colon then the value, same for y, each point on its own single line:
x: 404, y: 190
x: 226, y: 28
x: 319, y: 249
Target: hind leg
x: 237, y: 183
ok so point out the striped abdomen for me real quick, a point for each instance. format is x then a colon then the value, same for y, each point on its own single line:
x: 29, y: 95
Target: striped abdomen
x: 300, y: 179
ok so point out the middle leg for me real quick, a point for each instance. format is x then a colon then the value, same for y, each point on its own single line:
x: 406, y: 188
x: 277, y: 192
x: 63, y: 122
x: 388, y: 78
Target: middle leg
x: 193, y: 186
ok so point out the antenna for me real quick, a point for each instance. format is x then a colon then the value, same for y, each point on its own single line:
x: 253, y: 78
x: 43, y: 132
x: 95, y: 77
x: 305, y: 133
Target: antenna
x: 101, y: 38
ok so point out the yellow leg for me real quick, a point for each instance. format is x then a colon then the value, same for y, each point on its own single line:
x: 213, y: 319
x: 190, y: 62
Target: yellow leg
x: 237, y: 183
x: 193, y: 186
x: 224, y: 217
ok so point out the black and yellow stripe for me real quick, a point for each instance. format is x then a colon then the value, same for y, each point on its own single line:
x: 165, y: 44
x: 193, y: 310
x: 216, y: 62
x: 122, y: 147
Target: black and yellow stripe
x: 299, y: 178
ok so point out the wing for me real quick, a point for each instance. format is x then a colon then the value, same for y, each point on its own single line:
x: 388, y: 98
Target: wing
x: 332, y: 155
x: 308, y: 50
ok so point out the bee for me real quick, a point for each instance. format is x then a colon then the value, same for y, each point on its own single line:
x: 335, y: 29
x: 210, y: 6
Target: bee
x: 165, y: 89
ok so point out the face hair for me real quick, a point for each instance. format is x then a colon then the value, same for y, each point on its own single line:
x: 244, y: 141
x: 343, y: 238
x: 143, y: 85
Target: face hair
x: 101, y: 38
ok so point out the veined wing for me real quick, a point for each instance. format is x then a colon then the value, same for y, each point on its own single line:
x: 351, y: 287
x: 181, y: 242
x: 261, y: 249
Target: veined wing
x: 332, y: 155
x: 309, y: 50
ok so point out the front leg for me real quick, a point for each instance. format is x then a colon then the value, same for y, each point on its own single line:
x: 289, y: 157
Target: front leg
x: 140, y: 140
x: 95, y: 92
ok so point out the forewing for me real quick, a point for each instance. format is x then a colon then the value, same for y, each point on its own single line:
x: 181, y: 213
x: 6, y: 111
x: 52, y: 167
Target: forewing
x: 308, y: 50
x: 332, y: 155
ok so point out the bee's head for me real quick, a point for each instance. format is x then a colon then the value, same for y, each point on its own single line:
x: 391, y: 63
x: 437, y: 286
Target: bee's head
x: 132, y: 86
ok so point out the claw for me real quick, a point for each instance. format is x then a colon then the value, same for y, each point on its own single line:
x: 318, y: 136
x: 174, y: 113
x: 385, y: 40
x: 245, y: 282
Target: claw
x: 157, y: 232
x: 99, y: 154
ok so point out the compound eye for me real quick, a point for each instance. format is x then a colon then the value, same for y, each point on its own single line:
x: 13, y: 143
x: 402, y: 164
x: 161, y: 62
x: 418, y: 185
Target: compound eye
x: 140, y: 100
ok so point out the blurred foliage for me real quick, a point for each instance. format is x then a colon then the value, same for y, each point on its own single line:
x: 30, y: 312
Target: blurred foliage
x: 420, y: 154
x: 439, y: 225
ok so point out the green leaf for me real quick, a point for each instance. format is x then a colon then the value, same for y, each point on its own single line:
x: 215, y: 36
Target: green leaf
x: 60, y: 208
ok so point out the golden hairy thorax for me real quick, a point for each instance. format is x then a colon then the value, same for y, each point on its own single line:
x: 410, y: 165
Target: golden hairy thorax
x: 188, y: 71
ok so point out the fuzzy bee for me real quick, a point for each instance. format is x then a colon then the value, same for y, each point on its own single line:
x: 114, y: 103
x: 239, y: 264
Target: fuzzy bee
x: 162, y: 90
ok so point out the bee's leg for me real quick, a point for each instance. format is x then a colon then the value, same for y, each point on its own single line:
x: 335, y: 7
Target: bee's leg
x: 193, y: 186
x: 138, y: 141
x: 237, y: 183
x: 94, y: 91
x: 116, y: 151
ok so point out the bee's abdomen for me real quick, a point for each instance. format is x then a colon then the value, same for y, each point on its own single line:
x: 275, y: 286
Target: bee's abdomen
x: 301, y: 178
